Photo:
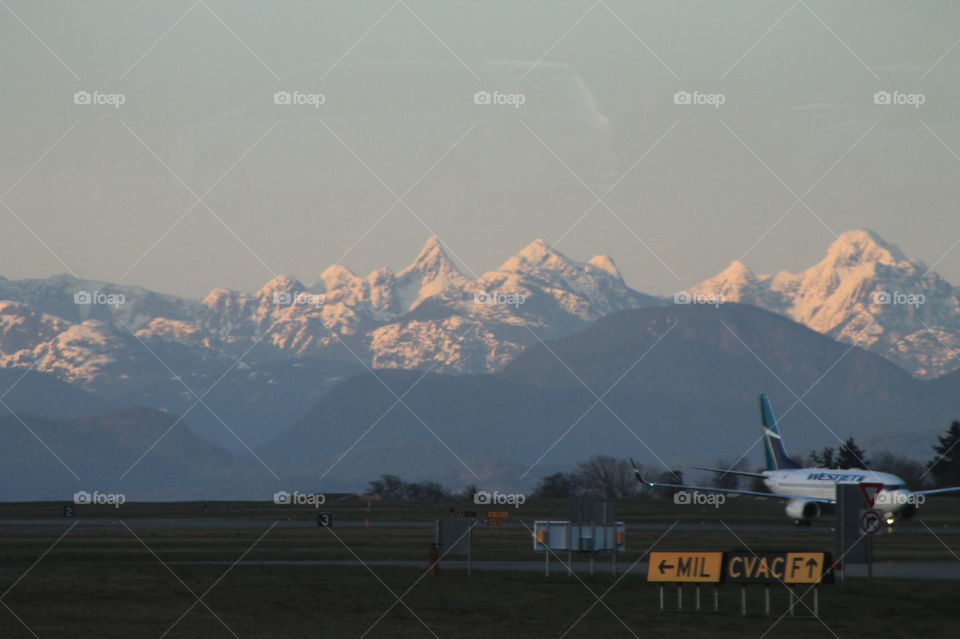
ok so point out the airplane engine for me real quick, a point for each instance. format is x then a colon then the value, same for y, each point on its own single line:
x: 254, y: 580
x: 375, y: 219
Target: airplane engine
x: 907, y: 512
x: 802, y: 510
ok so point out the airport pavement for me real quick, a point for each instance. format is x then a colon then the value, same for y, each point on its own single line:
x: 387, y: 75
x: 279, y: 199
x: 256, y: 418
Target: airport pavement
x: 213, y: 522
x: 948, y: 570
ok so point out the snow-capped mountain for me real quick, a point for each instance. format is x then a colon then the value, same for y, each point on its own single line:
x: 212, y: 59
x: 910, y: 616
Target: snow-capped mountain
x: 865, y: 291
x: 113, y: 338
x: 117, y: 340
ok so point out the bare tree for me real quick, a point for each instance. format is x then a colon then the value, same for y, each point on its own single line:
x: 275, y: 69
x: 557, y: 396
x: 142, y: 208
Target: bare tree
x: 911, y: 471
x: 557, y: 486
x: 727, y: 480
x: 607, y: 477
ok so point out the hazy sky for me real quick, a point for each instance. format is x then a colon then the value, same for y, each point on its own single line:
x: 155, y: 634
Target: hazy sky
x: 389, y: 112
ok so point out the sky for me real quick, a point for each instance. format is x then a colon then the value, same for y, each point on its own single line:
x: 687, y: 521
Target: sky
x: 184, y: 146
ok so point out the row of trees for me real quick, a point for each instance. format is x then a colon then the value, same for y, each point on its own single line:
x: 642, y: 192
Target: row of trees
x: 611, y: 478
x: 599, y: 476
x: 394, y: 488
x: 848, y: 455
x: 606, y: 477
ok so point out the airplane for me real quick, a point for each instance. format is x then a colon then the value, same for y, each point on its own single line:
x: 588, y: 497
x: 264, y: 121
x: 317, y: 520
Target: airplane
x: 810, y: 491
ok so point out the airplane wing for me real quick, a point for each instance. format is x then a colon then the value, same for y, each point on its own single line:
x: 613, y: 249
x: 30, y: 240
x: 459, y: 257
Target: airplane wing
x: 727, y: 471
x: 711, y: 489
x: 735, y: 491
x: 936, y: 491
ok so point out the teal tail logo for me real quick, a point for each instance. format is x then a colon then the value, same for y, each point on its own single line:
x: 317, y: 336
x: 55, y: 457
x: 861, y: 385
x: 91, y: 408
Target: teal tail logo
x: 776, y: 454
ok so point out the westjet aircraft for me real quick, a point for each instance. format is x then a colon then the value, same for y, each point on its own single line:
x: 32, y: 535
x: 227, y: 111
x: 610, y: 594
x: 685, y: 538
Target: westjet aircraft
x: 808, y: 491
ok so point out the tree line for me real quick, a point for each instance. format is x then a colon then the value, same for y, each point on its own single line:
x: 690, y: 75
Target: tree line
x: 607, y: 477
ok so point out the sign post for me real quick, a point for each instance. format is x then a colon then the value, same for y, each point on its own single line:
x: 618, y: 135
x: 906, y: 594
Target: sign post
x: 740, y: 567
x: 455, y: 537
x: 552, y: 536
x: 677, y: 567
x: 787, y: 568
x: 871, y: 521
x: 853, y: 547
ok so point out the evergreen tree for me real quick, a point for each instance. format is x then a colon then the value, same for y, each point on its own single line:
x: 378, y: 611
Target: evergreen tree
x: 849, y: 455
x: 824, y: 459
x: 945, y: 467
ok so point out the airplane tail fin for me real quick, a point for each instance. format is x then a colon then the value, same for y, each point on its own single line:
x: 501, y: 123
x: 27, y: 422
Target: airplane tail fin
x: 776, y: 454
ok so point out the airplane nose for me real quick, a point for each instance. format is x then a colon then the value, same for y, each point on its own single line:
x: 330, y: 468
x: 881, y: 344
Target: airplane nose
x: 894, y: 501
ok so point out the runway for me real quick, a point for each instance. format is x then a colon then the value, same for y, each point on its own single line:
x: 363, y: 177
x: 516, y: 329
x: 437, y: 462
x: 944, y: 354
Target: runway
x: 250, y: 523
x: 945, y: 570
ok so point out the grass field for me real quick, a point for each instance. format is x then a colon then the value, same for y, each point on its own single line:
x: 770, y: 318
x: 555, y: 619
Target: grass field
x: 107, y: 581
x: 145, y: 600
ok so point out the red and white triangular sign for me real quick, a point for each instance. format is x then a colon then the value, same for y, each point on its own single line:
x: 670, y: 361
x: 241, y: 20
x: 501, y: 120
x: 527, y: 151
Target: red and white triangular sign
x: 870, y: 492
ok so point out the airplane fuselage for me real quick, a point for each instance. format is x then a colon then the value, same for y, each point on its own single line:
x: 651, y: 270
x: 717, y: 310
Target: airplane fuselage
x: 821, y: 483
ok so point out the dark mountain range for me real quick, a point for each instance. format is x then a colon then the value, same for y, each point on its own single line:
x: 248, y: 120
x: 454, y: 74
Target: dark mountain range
x: 31, y: 393
x: 676, y: 385
x: 47, y: 458
x: 243, y: 404
x: 679, y: 385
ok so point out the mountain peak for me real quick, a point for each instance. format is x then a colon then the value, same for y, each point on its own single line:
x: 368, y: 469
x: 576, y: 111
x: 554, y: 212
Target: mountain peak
x: 432, y: 246
x: 536, y: 249
x: 862, y: 245
x: 605, y: 263
x: 737, y: 271
x: 285, y: 283
x: 433, y: 263
x: 336, y: 276
x: 535, y: 254
x: 431, y: 274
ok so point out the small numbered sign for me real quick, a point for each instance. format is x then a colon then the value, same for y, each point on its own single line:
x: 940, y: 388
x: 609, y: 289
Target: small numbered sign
x: 68, y: 510
x: 325, y: 520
